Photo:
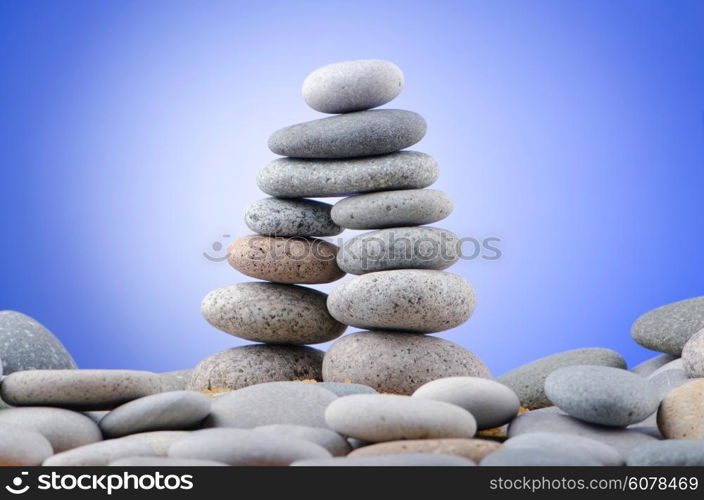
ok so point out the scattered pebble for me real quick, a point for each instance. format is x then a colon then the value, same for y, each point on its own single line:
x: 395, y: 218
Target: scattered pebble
x: 159, y: 441
x: 570, y: 443
x: 277, y: 217
x: 346, y: 389
x: 164, y: 462
x: 669, y: 452
x: 175, y: 381
x: 99, y: 454
x: 473, y: 449
x: 535, y: 457
x: 328, y: 439
x: 403, y: 460
x: 668, y: 328
x: 648, y: 366
x: 680, y: 415
x: 21, y: 446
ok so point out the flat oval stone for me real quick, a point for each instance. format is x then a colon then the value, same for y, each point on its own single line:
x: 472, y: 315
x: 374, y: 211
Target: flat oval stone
x: 362, y: 133
x: 22, y: 447
x: 346, y: 388
x: 160, y: 441
x: 669, y: 452
x: 576, y: 445
x: 99, y: 454
x: 649, y: 366
x: 277, y: 217
x: 247, y: 365
x: 693, y: 355
x: 399, y: 248
x: 352, y: 85
x: 176, y: 410
x: 492, y: 404
x: 272, y: 313
x: 298, y: 178
x: 78, y: 389
x: 396, y: 362
x: 473, y: 449
x: 164, y: 462
x: 175, y: 381
x: 245, y: 447
x: 64, y: 429
x: 528, y: 381
x: 295, y: 403
x: 535, y: 457
x: 285, y: 260
x: 328, y: 439
x: 25, y: 344
x: 388, y: 417
x: 404, y: 460
x: 408, y: 207
x: 411, y: 300
x: 680, y: 415
x: 601, y: 394
x: 667, y: 328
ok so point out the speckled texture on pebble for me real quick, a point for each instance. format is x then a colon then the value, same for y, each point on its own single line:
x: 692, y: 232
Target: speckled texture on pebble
x: 693, y: 355
x: 272, y: 313
x: 279, y: 217
x: 680, y: 415
x: 298, y: 178
x: 473, y: 449
x: 410, y: 300
x: 396, y: 362
x: 667, y: 328
x: 408, y: 207
x: 362, y: 133
x: 99, y: 454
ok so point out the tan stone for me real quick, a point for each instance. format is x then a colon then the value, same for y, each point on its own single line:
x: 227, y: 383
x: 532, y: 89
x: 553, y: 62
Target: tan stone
x: 681, y: 413
x: 474, y: 449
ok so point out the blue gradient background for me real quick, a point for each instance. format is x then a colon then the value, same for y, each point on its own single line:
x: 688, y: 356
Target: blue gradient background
x: 131, y: 134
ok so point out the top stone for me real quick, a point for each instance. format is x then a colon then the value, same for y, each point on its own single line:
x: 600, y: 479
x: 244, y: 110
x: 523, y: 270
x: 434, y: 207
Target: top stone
x: 668, y: 328
x: 352, y: 85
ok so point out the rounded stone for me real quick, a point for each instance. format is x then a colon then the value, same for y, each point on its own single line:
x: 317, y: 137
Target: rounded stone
x: 64, y: 429
x: 245, y: 447
x: 398, y: 363
x: 528, y: 381
x: 25, y: 344
x: 272, y: 313
x: 399, y: 248
x: 388, y: 417
x: 160, y: 441
x: 299, y: 178
x: 649, y: 366
x: 362, y: 133
x: 576, y: 445
x: 535, y: 457
x: 247, y: 365
x: 601, y: 394
x: 346, y: 388
x: 285, y: 260
x: 408, y: 207
x: 175, y: 381
x: 403, y: 460
x: 693, y: 355
x: 176, y: 410
x: 295, y: 403
x: 473, y: 449
x: 667, y: 328
x: 352, y: 85
x: 99, y: 454
x: 20, y: 446
x: 492, y: 404
x: 411, y: 300
x: 669, y: 452
x: 78, y: 389
x: 328, y: 439
x: 680, y: 415
x: 164, y: 462
x: 277, y: 217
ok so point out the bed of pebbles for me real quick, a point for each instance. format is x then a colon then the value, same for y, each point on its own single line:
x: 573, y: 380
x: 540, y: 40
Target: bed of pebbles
x: 387, y: 395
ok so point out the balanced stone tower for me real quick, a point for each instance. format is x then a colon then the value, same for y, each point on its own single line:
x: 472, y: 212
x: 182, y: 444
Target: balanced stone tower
x: 401, y: 292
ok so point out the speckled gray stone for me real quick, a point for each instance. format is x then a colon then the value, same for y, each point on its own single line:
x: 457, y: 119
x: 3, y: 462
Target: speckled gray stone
x: 272, y: 313
x: 164, y: 462
x: 328, y: 439
x: 78, y: 389
x: 528, y: 381
x: 402, y: 460
x: 648, y: 366
x: 346, y: 388
x: 667, y: 328
x: 408, y: 207
x: 410, y: 300
x: 298, y: 178
x: 601, y: 394
x: 247, y: 365
x: 693, y: 355
x: 277, y: 217
x: 245, y: 447
x: 398, y: 363
x: 553, y: 420
x: 389, y: 417
x: 576, y: 445
x: 25, y: 344
x: 175, y: 410
x: 535, y: 457
x: 64, y: 429
x: 362, y: 133
x: 295, y: 403
x: 669, y: 452
x: 175, y: 381
x: 22, y: 446
x: 99, y: 454
x: 492, y: 404
x: 399, y: 248
x: 160, y: 441
x: 352, y: 85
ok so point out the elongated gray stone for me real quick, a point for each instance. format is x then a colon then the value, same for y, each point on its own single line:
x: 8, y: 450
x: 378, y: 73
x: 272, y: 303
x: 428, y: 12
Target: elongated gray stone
x: 164, y: 462
x: 159, y: 441
x: 535, y: 457
x: 576, y: 445
x: 277, y: 217
x: 20, y: 446
x: 669, y: 452
x: 649, y: 366
x: 175, y: 381
x: 668, y: 328
x: 328, y: 439
x: 99, y: 454
x: 402, y: 460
